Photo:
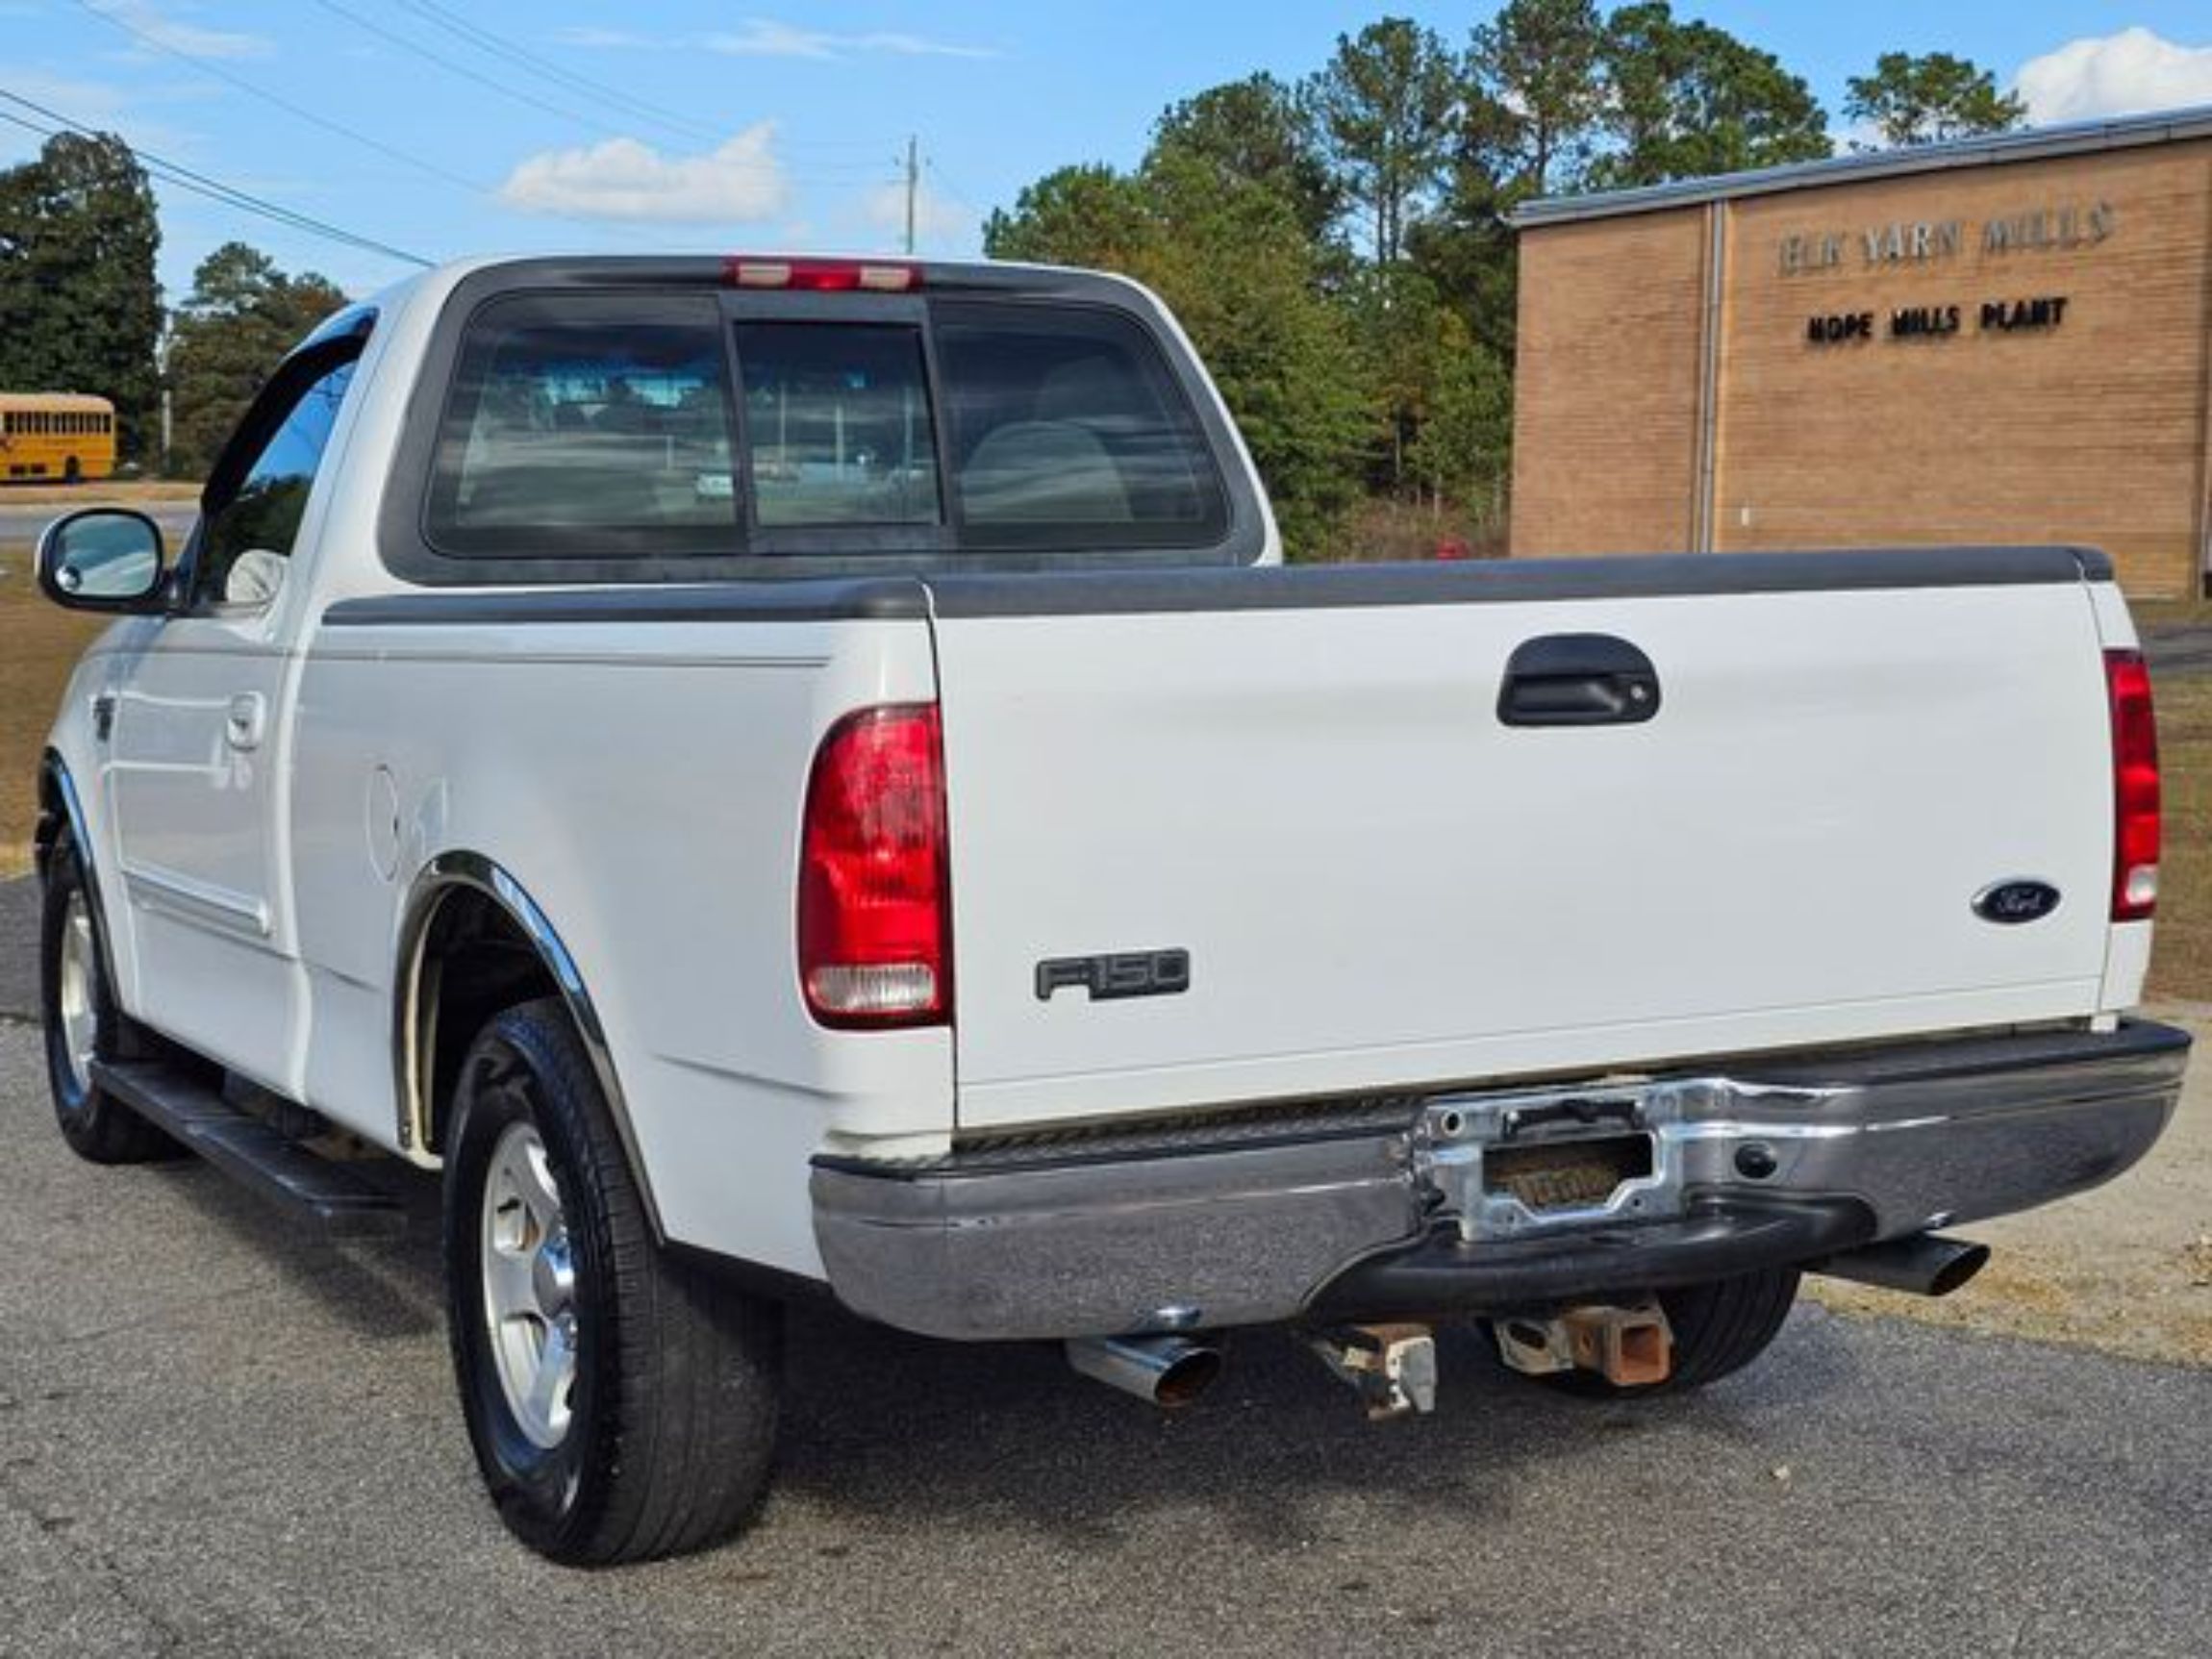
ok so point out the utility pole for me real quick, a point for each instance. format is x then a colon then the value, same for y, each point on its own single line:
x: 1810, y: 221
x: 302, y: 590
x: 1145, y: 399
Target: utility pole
x: 912, y: 185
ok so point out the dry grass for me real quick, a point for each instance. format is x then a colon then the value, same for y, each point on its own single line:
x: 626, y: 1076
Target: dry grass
x: 39, y: 643
x: 1382, y: 531
x: 2181, y: 965
x: 112, y: 492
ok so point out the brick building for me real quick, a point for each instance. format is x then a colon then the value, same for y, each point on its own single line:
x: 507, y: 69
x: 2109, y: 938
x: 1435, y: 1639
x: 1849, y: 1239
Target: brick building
x: 2001, y: 340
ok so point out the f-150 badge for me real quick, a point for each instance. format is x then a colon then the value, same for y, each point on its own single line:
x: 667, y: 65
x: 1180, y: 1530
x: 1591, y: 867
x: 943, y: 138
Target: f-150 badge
x: 1130, y: 973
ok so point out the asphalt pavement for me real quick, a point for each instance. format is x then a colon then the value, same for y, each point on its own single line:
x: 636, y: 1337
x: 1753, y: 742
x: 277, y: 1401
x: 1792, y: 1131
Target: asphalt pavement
x: 219, y: 1436
x: 22, y: 522
x: 19, y: 949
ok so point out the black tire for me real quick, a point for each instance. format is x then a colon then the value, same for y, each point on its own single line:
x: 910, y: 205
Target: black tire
x: 98, y: 1126
x: 672, y: 1416
x: 1719, y: 1329
x: 72, y: 473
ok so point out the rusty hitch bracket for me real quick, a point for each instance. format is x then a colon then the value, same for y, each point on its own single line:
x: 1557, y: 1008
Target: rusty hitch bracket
x: 1631, y: 1346
x: 1391, y: 1367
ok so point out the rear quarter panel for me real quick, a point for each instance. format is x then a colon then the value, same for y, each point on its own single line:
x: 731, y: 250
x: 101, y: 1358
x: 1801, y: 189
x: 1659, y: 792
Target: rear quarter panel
x: 643, y: 784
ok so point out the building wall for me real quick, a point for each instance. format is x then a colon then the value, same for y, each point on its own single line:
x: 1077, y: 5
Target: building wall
x: 1605, y: 398
x: 2091, y: 429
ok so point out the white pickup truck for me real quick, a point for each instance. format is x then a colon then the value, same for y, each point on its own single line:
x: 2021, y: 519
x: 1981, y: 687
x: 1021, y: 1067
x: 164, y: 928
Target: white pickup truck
x: 773, y: 776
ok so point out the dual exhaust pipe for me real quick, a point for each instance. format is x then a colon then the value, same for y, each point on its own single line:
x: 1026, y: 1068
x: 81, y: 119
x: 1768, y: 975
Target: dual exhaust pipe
x: 1168, y: 1372
x: 1925, y: 1264
x: 1172, y: 1372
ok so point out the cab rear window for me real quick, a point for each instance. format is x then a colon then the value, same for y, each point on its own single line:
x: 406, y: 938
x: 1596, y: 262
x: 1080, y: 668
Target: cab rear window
x: 595, y: 426
x: 585, y: 427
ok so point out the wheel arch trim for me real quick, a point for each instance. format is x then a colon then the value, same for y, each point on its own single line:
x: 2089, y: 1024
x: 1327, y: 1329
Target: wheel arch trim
x: 435, y: 885
x: 53, y: 773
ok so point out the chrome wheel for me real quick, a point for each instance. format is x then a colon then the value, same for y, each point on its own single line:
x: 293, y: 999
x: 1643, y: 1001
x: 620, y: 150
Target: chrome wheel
x: 80, y: 1014
x: 529, y: 1286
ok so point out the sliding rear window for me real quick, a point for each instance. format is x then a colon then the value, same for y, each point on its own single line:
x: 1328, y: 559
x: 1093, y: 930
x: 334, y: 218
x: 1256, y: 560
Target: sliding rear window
x: 1066, y: 430
x: 658, y: 427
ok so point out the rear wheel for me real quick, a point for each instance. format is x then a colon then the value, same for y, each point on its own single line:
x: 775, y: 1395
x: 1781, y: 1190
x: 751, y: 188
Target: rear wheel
x: 1719, y: 1329
x: 623, y: 1401
x: 83, y: 1023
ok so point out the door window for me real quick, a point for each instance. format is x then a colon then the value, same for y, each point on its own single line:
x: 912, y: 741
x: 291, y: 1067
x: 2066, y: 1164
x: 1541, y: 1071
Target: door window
x: 246, y: 543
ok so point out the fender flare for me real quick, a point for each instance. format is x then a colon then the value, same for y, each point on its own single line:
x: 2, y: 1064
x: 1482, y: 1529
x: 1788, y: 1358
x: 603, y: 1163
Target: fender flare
x: 435, y: 882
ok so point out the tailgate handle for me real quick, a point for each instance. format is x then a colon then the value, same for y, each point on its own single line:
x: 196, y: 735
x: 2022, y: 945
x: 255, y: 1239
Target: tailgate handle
x: 1578, y: 680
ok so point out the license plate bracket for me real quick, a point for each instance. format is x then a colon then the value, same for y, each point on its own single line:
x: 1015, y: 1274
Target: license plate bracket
x: 1510, y: 1166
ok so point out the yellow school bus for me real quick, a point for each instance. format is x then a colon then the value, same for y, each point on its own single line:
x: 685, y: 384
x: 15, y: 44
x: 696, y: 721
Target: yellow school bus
x: 55, y: 436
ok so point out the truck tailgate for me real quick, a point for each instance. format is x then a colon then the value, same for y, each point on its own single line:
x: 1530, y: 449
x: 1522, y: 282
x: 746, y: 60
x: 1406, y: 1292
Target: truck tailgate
x: 1380, y: 883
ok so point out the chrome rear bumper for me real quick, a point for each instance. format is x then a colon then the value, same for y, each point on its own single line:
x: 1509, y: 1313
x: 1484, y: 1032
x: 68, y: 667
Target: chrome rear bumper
x: 1381, y: 1208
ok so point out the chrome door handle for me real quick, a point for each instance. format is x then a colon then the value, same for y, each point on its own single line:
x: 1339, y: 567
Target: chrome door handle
x: 242, y: 724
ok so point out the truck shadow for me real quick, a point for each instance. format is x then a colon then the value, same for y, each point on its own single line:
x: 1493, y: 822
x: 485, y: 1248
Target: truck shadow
x: 1005, y: 1439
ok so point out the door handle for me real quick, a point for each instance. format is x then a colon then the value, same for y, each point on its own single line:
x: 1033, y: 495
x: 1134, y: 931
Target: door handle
x: 243, y: 721
x: 1577, y: 680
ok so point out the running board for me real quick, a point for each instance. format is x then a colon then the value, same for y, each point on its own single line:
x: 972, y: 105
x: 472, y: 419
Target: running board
x: 332, y: 1197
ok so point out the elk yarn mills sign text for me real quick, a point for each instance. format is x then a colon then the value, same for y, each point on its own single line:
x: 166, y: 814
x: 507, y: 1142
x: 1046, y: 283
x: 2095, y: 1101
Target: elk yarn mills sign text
x: 1914, y: 242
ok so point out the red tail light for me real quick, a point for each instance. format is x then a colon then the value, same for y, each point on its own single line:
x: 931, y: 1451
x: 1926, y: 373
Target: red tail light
x: 875, y: 908
x: 822, y: 276
x: 2134, y: 787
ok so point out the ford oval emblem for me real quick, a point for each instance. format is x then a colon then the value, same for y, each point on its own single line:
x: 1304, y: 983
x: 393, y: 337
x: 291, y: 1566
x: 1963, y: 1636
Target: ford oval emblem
x: 2010, y: 903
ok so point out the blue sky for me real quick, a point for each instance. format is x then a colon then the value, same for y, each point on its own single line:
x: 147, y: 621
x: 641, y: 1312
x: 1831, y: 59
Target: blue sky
x: 753, y: 124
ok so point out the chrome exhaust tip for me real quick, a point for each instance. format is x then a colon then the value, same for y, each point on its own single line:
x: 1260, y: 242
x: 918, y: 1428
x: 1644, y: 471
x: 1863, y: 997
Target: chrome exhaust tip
x: 1925, y: 1264
x: 1168, y: 1372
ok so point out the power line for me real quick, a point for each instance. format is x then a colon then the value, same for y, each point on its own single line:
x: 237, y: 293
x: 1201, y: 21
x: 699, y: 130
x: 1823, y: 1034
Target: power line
x: 520, y: 96
x: 514, y: 52
x: 446, y: 63
x: 199, y: 184
x: 301, y: 112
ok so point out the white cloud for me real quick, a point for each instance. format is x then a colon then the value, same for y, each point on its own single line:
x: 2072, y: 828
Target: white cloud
x: 624, y: 179
x: 937, y: 217
x: 2114, y: 75
x: 768, y: 38
x: 155, y: 28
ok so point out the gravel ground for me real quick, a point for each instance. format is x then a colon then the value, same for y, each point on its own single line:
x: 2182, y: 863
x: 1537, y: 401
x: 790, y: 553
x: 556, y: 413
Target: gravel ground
x: 220, y: 1436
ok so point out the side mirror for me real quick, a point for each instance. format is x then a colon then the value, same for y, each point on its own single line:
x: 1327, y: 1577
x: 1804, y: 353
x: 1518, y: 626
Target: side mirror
x: 103, y: 558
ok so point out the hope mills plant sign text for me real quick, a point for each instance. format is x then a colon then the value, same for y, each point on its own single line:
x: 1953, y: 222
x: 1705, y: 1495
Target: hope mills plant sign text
x: 2039, y: 316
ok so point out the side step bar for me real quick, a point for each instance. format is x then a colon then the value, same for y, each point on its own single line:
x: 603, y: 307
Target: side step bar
x: 330, y: 1196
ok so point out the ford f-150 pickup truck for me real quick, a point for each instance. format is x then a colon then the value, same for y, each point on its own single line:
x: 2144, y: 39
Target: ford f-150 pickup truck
x: 774, y: 776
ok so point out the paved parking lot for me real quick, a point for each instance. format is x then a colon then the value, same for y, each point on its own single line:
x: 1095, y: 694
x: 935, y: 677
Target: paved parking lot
x: 219, y: 1437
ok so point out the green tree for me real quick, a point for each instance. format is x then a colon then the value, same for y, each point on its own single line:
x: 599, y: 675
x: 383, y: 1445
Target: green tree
x: 1239, y: 271
x: 242, y: 316
x: 1537, y: 86
x: 1925, y: 100
x: 1690, y: 100
x: 1087, y: 215
x: 1386, y: 102
x: 83, y: 308
x: 1399, y: 323
x: 1231, y: 257
x: 1259, y: 131
x: 1463, y: 452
